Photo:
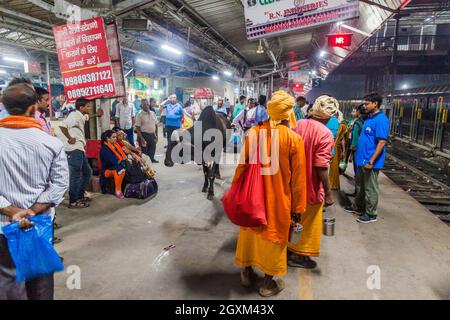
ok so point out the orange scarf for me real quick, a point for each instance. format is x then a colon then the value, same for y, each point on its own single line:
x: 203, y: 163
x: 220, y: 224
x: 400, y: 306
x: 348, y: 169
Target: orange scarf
x: 117, y: 150
x: 20, y: 122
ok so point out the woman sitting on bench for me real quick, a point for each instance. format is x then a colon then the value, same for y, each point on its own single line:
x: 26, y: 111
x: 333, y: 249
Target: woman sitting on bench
x: 111, y: 157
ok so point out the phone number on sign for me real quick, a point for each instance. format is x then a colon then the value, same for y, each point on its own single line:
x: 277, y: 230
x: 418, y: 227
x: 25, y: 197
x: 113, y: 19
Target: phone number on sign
x: 87, y: 78
x: 90, y: 91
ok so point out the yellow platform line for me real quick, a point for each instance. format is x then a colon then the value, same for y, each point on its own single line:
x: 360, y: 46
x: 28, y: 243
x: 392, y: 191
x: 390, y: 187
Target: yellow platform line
x: 305, y: 287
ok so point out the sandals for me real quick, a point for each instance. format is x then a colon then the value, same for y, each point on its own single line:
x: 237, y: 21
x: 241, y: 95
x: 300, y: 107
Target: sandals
x: 86, y: 199
x: 301, y: 262
x: 248, y: 281
x: 78, y: 205
x: 269, y: 292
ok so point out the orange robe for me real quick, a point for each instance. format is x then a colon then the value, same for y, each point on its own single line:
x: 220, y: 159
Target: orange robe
x: 339, y: 153
x: 285, y: 192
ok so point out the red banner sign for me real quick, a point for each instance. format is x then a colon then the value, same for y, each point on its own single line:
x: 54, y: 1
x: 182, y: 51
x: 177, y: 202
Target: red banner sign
x: 203, y: 93
x: 340, y: 40
x: 84, y: 60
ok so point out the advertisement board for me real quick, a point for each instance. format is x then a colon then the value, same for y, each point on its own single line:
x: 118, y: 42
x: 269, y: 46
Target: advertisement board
x: 84, y: 60
x: 298, y: 76
x: 266, y: 18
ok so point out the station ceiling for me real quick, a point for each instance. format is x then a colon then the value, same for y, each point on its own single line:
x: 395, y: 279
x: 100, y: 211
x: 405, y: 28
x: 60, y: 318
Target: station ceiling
x: 210, y: 32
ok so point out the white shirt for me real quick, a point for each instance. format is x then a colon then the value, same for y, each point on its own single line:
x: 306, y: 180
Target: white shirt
x: 147, y: 121
x: 33, y: 169
x: 75, y: 124
x: 125, y: 113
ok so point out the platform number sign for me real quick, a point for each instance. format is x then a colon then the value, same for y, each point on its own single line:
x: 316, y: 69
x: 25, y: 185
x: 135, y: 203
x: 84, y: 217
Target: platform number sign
x: 316, y: 82
x: 340, y: 40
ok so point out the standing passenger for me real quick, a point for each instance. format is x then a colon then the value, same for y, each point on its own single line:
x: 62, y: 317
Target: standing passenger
x: 41, y: 110
x: 125, y: 116
x: 370, y: 156
x: 34, y: 177
x: 147, y: 129
x: 80, y: 170
x: 174, y: 112
x: 318, y: 142
x: 266, y: 247
x: 238, y: 107
x: 300, y: 102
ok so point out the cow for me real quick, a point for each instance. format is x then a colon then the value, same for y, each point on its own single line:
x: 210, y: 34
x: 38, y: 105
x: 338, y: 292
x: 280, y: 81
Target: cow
x: 209, y: 119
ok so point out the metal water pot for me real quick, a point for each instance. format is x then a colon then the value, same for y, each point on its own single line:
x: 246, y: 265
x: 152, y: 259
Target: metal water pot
x: 328, y: 226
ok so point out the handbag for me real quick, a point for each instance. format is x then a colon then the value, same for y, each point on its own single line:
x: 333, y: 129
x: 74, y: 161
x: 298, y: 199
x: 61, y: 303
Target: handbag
x: 134, y: 172
x: 244, y: 202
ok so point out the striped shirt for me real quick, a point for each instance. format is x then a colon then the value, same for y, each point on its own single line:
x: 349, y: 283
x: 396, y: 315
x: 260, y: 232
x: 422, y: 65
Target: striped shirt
x: 33, y: 169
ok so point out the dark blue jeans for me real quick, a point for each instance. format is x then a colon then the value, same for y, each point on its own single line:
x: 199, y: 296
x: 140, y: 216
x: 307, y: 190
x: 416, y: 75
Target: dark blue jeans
x: 80, y: 174
x: 130, y: 135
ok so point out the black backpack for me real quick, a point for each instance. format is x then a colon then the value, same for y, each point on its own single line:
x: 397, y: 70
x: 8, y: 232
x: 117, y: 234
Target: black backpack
x: 134, y: 172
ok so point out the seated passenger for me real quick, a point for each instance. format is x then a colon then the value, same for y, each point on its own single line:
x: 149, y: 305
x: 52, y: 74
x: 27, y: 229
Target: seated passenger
x: 135, y: 153
x: 111, y: 156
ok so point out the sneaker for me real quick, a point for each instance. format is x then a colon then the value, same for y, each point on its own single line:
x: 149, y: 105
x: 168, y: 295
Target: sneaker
x: 350, y: 209
x: 365, y: 218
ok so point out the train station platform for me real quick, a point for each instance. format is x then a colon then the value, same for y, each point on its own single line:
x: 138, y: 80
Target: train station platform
x: 118, y: 246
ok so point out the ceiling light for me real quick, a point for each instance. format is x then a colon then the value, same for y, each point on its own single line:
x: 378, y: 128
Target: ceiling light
x: 3, y: 72
x: 171, y: 49
x: 260, y: 48
x: 405, y: 86
x: 314, y: 72
x: 215, y: 77
x: 13, y: 60
x: 322, y: 53
x: 227, y: 73
x: 145, y: 61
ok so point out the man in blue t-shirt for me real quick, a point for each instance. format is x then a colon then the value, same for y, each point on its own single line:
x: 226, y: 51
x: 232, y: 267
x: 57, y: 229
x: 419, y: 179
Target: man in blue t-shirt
x: 369, y: 157
x: 174, y: 113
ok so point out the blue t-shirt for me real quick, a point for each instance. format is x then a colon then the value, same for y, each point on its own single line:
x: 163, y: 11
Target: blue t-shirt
x: 333, y: 125
x: 375, y: 128
x: 174, y: 112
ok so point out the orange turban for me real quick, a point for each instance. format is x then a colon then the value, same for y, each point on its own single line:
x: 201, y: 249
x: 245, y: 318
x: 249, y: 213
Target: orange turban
x: 280, y: 108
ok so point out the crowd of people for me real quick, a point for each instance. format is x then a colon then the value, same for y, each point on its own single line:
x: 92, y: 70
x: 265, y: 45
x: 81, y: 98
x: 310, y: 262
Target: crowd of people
x: 315, y: 145
x: 38, y: 168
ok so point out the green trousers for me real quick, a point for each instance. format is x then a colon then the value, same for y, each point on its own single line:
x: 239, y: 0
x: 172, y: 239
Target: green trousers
x: 367, y: 191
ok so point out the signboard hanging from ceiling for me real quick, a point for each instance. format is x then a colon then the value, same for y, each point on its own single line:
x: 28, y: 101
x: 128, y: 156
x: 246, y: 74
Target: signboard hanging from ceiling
x: 84, y: 59
x: 340, y: 40
x: 267, y: 18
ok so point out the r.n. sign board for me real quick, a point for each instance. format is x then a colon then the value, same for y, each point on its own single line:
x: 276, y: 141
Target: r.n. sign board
x: 266, y: 18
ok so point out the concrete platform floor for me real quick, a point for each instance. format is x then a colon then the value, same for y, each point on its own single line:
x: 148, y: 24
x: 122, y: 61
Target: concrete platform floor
x: 118, y: 246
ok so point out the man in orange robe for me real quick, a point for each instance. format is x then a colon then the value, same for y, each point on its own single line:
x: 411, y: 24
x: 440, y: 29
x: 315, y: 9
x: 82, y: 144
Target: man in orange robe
x: 285, y: 194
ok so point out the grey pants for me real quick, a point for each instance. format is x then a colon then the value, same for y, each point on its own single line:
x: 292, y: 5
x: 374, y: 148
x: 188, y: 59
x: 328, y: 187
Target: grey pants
x: 36, y: 289
x: 367, y: 191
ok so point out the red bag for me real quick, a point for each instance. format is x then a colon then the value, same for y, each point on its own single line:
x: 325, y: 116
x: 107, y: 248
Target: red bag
x: 244, y: 202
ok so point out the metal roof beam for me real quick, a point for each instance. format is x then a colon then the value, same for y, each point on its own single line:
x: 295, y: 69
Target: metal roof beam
x: 122, y: 8
x: 379, y: 5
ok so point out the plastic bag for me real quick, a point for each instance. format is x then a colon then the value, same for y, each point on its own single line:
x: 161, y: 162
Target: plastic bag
x: 32, y: 249
x: 244, y: 202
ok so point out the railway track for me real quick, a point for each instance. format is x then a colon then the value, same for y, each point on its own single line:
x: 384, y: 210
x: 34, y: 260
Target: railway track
x: 432, y: 193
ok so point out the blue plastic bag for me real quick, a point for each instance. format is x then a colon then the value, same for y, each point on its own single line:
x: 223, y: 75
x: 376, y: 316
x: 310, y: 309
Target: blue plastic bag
x: 32, y: 249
